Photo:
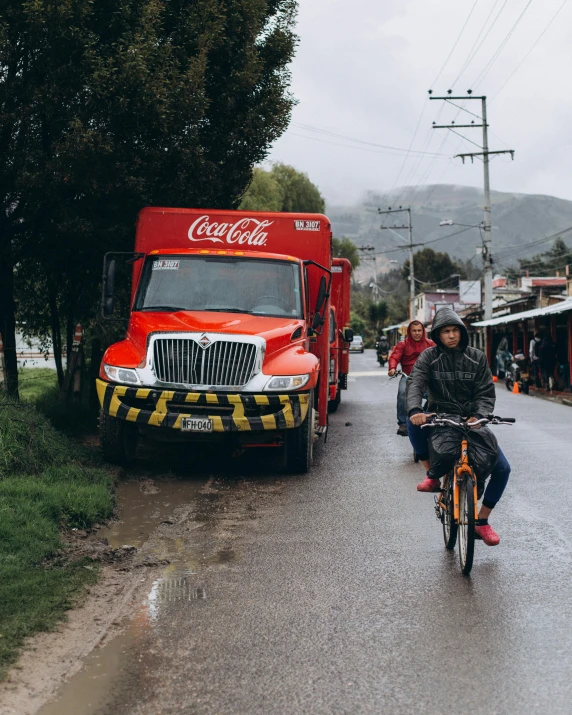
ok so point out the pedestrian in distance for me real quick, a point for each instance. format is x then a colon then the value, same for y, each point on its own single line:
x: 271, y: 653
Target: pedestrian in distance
x: 458, y: 381
x: 546, y: 351
x: 406, y: 352
x: 534, y: 358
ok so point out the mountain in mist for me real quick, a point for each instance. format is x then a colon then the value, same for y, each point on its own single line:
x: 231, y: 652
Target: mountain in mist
x: 516, y: 219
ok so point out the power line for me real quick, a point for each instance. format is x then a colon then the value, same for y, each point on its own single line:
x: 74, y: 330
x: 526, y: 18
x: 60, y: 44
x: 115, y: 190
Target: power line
x: 420, y: 245
x: 426, y: 101
x: 472, y: 54
x: 353, y: 139
x: 536, y: 242
x: 455, y: 44
x: 526, y: 56
x: 356, y: 148
x: 501, y: 47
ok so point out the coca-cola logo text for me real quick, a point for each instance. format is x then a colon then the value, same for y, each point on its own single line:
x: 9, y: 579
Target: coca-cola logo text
x: 249, y: 231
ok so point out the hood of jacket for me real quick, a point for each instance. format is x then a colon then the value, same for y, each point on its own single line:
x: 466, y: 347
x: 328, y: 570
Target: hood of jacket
x: 444, y: 317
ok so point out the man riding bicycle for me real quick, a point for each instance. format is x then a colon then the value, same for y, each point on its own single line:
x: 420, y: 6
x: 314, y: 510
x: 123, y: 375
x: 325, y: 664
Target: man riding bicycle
x: 458, y: 381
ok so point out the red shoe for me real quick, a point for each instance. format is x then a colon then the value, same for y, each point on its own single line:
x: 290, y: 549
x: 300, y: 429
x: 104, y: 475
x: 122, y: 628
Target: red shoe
x: 487, y: 534
x: 429, y: 485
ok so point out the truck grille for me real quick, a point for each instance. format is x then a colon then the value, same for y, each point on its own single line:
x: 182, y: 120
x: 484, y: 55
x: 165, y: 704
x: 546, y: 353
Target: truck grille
x: 183, y: 361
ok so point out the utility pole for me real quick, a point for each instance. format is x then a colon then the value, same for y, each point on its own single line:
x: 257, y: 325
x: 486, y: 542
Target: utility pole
x: 484, y: 154
x: 411, y: 266
x: 375, y: 286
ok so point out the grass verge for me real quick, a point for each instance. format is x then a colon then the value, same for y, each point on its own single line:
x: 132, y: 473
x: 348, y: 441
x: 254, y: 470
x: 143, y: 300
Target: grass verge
x: 47, y: 484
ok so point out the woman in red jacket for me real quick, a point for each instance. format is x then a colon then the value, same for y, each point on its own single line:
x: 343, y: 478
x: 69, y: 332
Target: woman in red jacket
x: 406, y: 352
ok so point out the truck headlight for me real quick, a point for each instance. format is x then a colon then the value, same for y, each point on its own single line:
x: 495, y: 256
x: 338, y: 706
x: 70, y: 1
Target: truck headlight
x: 121, y: 374
x: 288, y: 382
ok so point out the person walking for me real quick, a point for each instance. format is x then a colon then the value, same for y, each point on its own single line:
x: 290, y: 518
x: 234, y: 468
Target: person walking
x: 406, y: 352
x: 546, y: 352
x: 534, y: 359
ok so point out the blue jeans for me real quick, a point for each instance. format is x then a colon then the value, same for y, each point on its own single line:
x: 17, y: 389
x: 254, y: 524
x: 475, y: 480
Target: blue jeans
x: 401, y: 405
x: 419, y: 439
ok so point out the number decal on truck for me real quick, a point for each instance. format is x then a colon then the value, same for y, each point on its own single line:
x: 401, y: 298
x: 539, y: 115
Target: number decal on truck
x: 300, y: 225
x: 165, y: 265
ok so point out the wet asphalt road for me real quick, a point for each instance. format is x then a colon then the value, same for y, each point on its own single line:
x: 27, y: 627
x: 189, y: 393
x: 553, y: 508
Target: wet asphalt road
x: 333, y: 593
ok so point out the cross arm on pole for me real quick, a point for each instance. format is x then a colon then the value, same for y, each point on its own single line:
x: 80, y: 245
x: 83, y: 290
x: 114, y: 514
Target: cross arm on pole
x: 456, y: 126
x: 473, y: 154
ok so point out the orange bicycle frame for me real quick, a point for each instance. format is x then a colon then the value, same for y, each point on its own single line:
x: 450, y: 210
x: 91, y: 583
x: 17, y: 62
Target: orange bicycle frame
x: 463, y: 467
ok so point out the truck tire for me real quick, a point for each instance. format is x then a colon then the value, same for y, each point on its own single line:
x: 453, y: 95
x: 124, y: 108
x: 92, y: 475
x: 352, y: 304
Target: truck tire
x: 335, y: 403
x: 299, y: 445
x: 118, y: 439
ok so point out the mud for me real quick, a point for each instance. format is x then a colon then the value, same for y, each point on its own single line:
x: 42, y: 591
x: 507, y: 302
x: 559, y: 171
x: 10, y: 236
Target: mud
x: 127, y: 573
x: 174, y: 520
x: 198, y: 537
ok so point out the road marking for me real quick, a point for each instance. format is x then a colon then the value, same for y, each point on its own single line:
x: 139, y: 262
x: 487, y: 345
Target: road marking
x: 374, y: 373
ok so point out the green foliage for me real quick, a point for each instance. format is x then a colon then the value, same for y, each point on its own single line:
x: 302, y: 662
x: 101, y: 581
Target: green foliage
x: 346, y: 248
x: 282, y: 189
x: 110, y: 106
x: 43, y: 487
x: 357, y: 323
x: 36, y: 382
x: 263, y: 194
x: 377, y: 314
x: 556, y: 258
x: 300, y: 194
x: 432, y: 267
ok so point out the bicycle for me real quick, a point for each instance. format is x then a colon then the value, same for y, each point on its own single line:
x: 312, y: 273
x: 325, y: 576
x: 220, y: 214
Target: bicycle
x: 456, y: 505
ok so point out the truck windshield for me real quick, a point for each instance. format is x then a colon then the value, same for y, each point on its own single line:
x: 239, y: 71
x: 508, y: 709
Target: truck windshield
x: 221, y: 284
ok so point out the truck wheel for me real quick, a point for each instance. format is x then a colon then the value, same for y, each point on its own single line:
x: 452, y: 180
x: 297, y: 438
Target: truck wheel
x: 118, y: 439
x: 334, y: 404
x: 299, y: 445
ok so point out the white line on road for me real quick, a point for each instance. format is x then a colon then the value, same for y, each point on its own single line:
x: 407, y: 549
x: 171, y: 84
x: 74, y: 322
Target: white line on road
x: 371, y: 373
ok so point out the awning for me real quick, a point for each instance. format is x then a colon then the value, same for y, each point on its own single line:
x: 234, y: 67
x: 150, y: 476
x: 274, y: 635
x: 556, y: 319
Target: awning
x: 562, y: 307
x: 395, y: 327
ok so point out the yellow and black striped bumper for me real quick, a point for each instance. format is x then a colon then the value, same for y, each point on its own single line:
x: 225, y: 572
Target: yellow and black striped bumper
x: 229, y: 412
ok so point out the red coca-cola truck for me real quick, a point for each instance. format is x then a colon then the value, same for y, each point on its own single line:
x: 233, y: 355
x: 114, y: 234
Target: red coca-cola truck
x: 340, y: 333
x: 228, y: 334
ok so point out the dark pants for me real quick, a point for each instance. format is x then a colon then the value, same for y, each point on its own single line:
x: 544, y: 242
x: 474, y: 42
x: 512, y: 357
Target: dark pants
x: 419, y: 439
x: 401, y: 403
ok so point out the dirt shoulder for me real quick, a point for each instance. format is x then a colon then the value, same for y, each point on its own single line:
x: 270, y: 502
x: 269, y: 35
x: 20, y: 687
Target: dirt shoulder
x: 51, y: 658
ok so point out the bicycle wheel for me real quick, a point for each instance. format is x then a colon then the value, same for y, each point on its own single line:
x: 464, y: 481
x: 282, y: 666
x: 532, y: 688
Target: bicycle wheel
x: 466, y: 524
x: 450, y: 528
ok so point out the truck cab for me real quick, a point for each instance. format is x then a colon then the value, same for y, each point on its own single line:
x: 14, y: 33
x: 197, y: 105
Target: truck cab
x: 227, y: 336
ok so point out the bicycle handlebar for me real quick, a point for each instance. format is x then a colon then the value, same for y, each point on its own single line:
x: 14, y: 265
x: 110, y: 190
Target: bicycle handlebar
x: 438, y: 421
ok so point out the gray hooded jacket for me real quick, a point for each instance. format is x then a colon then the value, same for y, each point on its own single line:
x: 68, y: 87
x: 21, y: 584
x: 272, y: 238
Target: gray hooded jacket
x: 457, y: 381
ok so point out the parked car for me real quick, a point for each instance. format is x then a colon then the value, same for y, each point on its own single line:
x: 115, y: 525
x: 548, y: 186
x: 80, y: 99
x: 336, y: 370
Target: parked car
x: 356, y: 346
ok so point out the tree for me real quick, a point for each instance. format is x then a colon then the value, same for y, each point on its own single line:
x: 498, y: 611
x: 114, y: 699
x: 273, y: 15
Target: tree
x: 432, y: 267
x: 283, y: 188
x: 377, y: 313
x: 554, y: 259
x: 345, y: 248
x: 110, y: 106
x: 300, y: 194
x: 263, y: 194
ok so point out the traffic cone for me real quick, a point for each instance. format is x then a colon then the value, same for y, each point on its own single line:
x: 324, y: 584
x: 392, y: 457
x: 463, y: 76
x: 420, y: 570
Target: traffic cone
x: 515, y: 390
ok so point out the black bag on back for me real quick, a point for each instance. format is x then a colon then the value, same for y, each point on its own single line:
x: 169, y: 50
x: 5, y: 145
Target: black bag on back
x: 445, y: 448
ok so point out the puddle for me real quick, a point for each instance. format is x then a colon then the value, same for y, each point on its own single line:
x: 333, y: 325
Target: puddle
x: 120, y: 665
x: 143, y: 505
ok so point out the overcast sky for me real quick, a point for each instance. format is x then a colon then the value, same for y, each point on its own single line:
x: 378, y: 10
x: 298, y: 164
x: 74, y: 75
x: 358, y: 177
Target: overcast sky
x: 363, y: 68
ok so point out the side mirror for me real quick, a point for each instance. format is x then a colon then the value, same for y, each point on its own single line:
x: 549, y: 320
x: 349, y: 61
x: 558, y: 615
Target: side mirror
x: 107, y: 300
x: 321, y: 294
x: 317, y: 322
x: 348, y: 335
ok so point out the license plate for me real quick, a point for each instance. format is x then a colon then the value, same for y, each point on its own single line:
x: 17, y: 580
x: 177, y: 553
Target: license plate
x: 196, y: 424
